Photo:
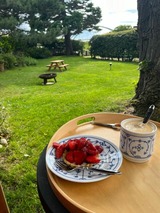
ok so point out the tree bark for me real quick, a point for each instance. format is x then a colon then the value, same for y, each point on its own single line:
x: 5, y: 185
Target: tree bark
x: 68, y: 44
x: 148, y: 87
x: 1, y: 66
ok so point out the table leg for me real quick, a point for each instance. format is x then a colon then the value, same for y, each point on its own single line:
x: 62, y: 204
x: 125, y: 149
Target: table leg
x: 50, y: 202
x: 45, y: 81
x: 56, y: 65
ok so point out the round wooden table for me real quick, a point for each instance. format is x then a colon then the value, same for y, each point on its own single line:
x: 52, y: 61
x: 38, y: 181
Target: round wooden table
x: 136, y: 190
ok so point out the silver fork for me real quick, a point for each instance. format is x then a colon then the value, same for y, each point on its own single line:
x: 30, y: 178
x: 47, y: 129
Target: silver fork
x: 115, y: 126
x: 62, y: 165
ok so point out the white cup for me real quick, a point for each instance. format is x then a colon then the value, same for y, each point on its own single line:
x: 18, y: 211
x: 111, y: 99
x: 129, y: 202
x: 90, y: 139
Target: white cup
x: 137, y: 139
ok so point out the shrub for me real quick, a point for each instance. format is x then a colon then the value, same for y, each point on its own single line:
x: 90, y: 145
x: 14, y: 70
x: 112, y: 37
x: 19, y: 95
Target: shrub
x: 29, y: 61
x: 6, y: 44
x: 57, y: 47
x: 77, y: 46
x: 1, y: 58
x: 9, y: 60
x: 25, y: 61
x: 118, y: 45
x: 39, y: 53
x: 20, y: 60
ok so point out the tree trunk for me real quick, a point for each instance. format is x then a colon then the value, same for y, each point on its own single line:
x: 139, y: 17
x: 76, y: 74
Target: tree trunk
x: 148, y: 87
x: 68, y: 44
x: 1, y: 66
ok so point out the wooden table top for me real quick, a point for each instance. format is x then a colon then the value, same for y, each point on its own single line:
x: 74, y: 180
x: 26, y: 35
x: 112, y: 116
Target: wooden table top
x: 57, y: 61
x: 136, y: 190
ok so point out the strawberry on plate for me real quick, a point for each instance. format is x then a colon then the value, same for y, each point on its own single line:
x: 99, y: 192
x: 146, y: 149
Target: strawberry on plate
x: 72, y: 144
x: 99, y: 148
x: 81, y: 143
x: 78, y: 151
x: 60, y: 150
x: 70, y: 156
x: 79, y: 157
x: 55, y: 145
x: 92, y: 159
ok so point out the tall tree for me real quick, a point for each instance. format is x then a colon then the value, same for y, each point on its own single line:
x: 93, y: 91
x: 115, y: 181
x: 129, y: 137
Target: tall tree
x: 11, y: 15
x: 41, y: 17
x: 31, y: 21
x: 48, y: 19
x: 62, y: 17
x: 148, y: 87
x: 76, y: 16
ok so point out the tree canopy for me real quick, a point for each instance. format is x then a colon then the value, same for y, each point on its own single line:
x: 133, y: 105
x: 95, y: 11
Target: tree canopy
x: 49, y: 19
x: 76, y: 16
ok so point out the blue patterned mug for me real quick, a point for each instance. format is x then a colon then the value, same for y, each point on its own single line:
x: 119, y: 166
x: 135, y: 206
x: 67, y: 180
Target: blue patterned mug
x: 137, y: 139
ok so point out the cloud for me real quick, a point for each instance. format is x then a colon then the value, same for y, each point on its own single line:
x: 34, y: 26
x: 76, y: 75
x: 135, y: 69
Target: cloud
x: 117, y: 12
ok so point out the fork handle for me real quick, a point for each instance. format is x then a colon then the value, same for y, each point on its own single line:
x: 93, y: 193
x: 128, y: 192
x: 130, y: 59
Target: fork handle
x: 109, y: 172
x: 114, y: 126
x: 101, y: 124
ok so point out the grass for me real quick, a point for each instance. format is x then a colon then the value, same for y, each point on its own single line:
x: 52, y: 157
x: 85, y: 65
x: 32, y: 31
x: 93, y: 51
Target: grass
x: 35, y: 113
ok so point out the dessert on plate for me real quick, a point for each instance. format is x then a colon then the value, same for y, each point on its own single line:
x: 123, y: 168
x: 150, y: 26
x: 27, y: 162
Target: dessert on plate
x: 78, y: 151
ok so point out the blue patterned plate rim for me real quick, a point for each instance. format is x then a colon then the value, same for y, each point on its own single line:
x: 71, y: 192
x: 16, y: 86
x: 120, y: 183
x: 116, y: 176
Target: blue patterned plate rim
x: 111, y: 158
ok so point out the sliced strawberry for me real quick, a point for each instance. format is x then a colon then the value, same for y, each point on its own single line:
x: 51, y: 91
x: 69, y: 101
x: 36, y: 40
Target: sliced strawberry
x: 91, y: 149
x: 92, y: 152
x: 72, y: 144
x: 92, y: 159
x: 81, y: 143
x: 99, y: 148
x: 55, y: 145
x: 90, y: 146
x: 60, y: 150
x: 67, y: 146
x: 79, y: 157
x: 69, y: 157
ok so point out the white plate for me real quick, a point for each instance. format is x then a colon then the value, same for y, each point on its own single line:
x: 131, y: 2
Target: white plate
x: 111, y: 159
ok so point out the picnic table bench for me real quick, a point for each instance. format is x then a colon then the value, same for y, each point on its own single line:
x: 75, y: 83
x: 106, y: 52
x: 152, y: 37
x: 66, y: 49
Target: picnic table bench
x: 63, y: 66
x: 50, y: 66
x: 57, y: 64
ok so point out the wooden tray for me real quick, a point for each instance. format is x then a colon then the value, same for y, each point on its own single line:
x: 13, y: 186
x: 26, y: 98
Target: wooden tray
x: 136, y: 190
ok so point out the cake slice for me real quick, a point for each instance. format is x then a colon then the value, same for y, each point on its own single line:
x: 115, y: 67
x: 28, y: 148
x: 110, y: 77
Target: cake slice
x: 77, y: 152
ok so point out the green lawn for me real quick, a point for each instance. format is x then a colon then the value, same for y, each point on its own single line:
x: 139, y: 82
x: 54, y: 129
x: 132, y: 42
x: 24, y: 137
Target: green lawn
x: 35, y: 112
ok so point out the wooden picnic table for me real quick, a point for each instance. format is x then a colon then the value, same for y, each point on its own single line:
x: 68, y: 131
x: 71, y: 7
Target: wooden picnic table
x: 57, y: 64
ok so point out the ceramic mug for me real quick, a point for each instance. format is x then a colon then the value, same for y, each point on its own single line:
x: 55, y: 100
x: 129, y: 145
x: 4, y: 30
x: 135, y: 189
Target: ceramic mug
x: 137, y: 139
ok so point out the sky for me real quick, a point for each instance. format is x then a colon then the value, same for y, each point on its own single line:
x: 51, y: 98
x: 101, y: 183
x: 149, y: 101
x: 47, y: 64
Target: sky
x: 117, y: 12
x: 114, y: 13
